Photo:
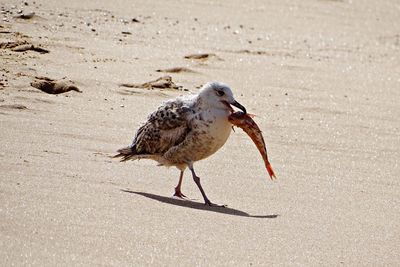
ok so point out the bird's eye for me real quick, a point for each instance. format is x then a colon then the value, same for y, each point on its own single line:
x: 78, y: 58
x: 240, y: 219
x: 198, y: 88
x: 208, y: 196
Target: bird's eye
x: 220, y: 93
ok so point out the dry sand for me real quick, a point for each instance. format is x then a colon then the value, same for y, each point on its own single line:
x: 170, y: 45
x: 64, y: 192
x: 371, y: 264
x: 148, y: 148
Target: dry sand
x: 322, y: 76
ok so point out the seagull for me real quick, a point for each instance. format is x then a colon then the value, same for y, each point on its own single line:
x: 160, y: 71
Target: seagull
x: 185, y: 130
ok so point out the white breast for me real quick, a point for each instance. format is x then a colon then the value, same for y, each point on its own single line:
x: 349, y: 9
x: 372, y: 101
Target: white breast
x: 209, y: 131
x: 216, y: 130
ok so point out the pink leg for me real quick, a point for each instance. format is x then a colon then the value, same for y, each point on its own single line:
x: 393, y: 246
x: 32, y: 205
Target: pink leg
x: 178, y: 192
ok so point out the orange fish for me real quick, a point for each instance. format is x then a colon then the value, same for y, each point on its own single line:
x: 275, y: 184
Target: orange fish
x: 248, y: 125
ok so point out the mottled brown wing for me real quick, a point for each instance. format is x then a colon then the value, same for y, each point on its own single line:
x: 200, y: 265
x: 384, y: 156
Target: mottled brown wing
x: 166, y: 127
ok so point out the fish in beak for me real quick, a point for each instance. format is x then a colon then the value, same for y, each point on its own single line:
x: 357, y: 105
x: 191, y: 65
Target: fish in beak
x: 239, y: 106
x: 236, y: 104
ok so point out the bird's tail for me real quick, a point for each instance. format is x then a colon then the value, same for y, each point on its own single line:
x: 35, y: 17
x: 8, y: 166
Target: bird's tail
x: 130, y: 153
x: 126, y: 153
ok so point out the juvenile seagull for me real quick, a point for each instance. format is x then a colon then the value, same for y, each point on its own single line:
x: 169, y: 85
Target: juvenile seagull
x: 185, y: 130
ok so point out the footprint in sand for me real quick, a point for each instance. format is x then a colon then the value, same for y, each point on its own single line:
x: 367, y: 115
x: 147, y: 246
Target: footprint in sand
x: 177, y: 70
x: 202, y: 56
x: 51, y: 86
x: 164, y: 82
x: 22, y: 46
x: 13, y: 106
x: 28, y: 15
x: 26, y: 47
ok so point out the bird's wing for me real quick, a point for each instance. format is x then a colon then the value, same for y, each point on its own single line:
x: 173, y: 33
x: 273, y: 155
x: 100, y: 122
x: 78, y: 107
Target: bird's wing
x: 165, y: 128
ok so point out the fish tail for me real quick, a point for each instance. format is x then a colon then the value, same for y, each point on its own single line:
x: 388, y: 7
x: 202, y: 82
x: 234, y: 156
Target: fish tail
x: 270, y: 171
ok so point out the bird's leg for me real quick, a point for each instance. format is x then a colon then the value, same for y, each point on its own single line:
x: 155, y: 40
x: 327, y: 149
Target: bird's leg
x: 197, y: 181
x: 178, y: 192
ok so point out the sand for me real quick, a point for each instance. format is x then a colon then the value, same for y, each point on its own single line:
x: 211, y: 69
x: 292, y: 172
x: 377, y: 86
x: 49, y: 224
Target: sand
x: 323, y: 78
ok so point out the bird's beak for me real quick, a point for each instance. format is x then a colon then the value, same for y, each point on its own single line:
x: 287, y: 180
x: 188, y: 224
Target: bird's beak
x: 239, y: 106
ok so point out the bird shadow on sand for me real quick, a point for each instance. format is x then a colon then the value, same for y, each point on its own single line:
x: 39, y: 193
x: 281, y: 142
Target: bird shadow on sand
x: 199, y: 206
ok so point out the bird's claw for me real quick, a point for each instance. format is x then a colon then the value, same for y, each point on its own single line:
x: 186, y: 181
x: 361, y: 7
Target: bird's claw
x: 209, y: 203
x: 179, y: 194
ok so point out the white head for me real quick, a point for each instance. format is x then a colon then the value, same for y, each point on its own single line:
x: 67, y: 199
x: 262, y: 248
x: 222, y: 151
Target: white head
x: 218, y: 95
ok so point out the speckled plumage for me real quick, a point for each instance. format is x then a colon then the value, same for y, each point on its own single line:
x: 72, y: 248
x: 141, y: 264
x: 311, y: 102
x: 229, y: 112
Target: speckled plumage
x: 185, y: 129
x: 178, y: 132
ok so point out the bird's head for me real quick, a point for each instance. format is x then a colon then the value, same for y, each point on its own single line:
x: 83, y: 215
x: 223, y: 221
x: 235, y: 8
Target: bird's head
x: 219, y: 95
